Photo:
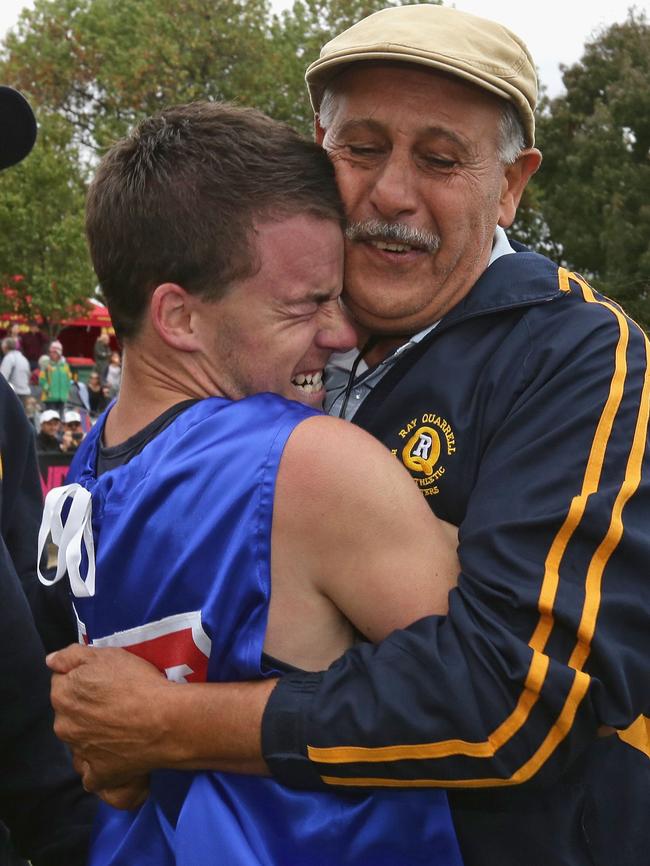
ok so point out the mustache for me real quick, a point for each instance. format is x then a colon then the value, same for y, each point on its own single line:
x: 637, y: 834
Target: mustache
x: 397, y: 233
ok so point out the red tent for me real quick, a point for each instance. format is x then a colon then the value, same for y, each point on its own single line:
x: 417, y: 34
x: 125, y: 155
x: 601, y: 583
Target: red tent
x: 95, y: 317
x: 79, y: 332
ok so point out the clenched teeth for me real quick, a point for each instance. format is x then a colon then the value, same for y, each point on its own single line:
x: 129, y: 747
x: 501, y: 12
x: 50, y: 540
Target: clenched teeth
x: 392, y: 248
x: 309, y: 382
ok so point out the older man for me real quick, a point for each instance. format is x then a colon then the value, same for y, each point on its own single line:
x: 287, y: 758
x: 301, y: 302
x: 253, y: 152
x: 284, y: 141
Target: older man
x: 41, y: 799
x: 518, y: 398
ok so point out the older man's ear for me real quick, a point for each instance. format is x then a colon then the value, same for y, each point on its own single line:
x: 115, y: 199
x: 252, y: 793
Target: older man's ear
x: 515, y: 178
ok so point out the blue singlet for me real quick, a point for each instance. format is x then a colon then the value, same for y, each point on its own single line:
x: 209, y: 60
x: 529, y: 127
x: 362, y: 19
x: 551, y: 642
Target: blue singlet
x: 182, y: 537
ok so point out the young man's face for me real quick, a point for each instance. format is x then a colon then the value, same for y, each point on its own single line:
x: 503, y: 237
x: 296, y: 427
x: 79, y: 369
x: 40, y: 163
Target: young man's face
x: 276, y: 330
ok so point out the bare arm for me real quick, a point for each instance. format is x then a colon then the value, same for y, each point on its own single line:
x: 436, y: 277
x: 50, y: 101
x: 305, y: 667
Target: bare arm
x: 353, y: 543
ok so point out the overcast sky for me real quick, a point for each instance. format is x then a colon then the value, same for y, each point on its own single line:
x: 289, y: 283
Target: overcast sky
x: 555, y: 30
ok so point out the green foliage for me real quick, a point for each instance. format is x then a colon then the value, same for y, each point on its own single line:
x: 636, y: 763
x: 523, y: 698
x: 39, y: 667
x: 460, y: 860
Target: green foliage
x: 93, y: 68
x: 41, y: 228
x: 594, y: 186
x: 104, y: 64
x: 297, y: 37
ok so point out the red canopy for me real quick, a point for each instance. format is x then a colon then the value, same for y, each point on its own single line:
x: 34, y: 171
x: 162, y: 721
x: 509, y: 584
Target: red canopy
x: 95, y: 317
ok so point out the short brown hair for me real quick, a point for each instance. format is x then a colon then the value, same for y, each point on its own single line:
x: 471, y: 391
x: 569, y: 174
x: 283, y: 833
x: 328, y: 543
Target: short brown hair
x: 177, y: 199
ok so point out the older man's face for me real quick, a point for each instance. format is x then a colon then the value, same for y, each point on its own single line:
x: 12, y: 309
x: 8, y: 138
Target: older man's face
x: 415, y: 148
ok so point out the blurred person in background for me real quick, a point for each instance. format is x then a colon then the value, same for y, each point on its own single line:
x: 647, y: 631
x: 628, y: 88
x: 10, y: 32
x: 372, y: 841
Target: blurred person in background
x: 14, y: 332
x: 35, y: 379
x: 42, y: 803
x: 34, y: 344
x: 114, y: 374
x: 33, y: 413
x: 102, y: 354
x: 98, y: 395
x: 72, y: 434
x: 55, y: 379
x: 79, y: 400
x: 15, y: 368
x: 49, y: 436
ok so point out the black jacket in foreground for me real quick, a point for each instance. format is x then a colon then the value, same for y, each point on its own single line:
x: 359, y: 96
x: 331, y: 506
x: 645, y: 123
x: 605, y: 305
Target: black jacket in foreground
x: 48, y: 814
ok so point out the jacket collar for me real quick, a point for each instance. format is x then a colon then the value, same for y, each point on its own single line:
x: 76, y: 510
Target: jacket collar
x: 521, y: 280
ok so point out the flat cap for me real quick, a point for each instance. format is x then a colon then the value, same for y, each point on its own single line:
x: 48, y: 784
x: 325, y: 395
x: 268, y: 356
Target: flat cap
x: 17, y: 127
x: 480, y: 51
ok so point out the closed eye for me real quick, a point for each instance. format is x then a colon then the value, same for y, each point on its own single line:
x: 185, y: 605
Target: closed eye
x: 439, y: 162
x: 363, y: 150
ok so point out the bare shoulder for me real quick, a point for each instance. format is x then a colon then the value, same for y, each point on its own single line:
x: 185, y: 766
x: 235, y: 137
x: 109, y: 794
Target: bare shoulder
x: 351, y: 515
x: 336, y: 458
x: 336, y: 478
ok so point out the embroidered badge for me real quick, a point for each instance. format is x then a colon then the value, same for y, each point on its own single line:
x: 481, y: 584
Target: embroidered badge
x: 428, y: 440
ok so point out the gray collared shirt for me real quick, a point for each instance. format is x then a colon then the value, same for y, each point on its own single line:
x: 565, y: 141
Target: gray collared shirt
x: 339, y: 368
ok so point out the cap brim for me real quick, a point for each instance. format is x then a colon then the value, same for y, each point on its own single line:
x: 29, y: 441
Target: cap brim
x: 18, y: 126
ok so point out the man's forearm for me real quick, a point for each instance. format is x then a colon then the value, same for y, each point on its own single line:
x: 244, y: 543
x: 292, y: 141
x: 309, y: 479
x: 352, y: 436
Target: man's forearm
x: 123, y: 719
x: 215, y: 726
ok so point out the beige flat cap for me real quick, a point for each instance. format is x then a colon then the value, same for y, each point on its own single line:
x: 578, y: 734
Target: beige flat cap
x: 480, y: 51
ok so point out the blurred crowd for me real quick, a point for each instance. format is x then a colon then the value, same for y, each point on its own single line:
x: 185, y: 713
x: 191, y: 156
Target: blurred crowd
x: 61, y: 403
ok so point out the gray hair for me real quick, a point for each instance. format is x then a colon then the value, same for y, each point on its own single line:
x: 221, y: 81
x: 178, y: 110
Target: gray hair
x: 8, y: 344
x: 512, y: 139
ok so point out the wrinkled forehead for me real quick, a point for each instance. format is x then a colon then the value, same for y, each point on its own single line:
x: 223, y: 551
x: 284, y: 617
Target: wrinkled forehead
x: 390, y: 79
x: 401, y: 95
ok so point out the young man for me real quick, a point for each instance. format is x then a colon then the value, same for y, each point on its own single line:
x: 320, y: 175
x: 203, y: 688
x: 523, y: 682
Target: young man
x: 233, y: 531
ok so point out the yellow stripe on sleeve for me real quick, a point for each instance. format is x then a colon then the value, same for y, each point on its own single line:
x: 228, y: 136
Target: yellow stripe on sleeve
x: 638, y: 735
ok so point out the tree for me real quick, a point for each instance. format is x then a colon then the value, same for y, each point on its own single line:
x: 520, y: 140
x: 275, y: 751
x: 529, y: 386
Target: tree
x: 104, y: 64
x: 297, y: 37
x: 594, y: 187
x: 41, y: 230
x: 93, y: 68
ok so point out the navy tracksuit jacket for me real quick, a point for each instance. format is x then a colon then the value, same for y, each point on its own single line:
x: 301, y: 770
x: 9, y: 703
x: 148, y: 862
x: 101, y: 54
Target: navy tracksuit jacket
x: 523, y: 418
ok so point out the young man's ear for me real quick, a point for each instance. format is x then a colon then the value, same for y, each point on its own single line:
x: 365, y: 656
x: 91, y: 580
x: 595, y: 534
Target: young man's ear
x: 171, y: 317
x: 515, y: 178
